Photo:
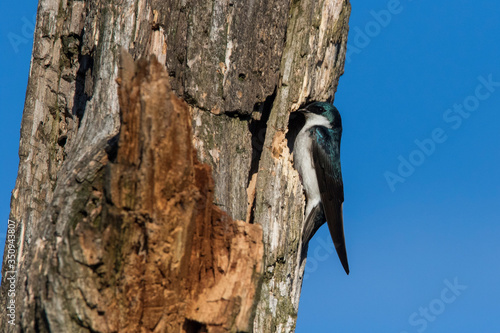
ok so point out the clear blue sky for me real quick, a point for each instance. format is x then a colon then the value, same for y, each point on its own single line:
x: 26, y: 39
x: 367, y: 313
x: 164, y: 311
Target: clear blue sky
x: 16, y: 39
x: 443, y: 221
x: 423, y: 241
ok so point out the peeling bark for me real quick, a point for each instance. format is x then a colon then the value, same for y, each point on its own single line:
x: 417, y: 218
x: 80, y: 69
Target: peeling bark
x: 85, y: 199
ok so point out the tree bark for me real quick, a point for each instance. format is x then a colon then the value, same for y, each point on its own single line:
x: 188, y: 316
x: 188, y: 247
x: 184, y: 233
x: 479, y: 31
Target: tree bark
x: 116, y: 230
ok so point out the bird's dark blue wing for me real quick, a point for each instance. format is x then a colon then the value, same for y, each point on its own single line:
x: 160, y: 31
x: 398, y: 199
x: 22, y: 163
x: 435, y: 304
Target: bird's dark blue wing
x: 314, y: 221
x: 326, y: 157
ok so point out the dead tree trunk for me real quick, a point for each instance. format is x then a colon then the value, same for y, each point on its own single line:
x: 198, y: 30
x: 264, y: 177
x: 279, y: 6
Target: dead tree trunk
x: 120, y: 224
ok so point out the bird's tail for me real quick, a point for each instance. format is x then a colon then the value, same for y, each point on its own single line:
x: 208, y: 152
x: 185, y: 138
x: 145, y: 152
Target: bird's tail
x: 314, y: 221
x: 336, y: 227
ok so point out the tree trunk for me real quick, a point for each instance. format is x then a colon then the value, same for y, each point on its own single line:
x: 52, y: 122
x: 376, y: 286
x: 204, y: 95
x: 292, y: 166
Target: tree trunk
x: 120, y: 226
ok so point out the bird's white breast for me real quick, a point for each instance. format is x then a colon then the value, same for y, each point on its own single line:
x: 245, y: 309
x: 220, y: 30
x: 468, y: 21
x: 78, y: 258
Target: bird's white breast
x: 304, y: 162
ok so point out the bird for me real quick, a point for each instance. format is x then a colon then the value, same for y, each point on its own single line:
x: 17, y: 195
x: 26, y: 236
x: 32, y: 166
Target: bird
x: 316, y: 153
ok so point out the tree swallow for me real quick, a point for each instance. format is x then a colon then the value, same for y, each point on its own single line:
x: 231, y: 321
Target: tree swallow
x: 317, y: 159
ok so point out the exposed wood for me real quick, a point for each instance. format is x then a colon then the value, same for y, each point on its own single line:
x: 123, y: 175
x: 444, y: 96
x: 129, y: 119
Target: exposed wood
x: 181, y: 261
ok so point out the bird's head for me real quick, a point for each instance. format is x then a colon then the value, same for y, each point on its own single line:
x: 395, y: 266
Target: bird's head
x: 325, y: 110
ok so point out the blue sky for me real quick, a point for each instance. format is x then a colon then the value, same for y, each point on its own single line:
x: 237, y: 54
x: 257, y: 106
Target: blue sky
x: 442, y: 223
x: 424, y: 251
x: 16, y: 39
